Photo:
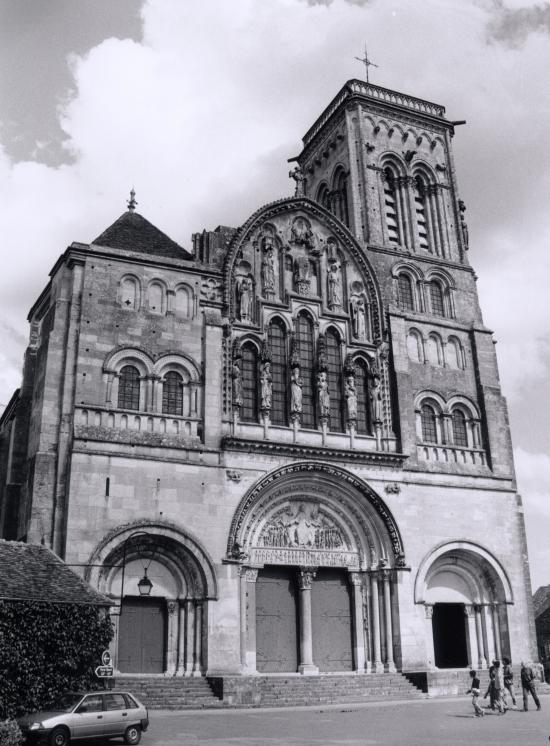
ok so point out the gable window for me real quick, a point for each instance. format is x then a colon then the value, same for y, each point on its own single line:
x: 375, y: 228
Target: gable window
x: 363, y: 403
x: 249, y: 411
x: 334, y: 365
x: 304, y: 337
x: 128, y: 388
x: 172, y: 394
x: 276, y: 340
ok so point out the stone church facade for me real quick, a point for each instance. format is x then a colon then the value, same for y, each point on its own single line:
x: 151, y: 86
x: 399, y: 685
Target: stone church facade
x: 296, y: 431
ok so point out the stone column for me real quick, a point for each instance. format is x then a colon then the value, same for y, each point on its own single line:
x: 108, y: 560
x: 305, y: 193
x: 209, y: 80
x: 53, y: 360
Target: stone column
x: 388, y: 626
x: 172, y: 642
x: 108, y: 394
x: 481, y: 660
x: 189, y: 644
x: 358, y: 622
x: 180, y: 668
x: 377, y: 665
x: 148, y: 393
x: 488, y: 635
x: 430, y: 652
x: 496, y: 630
x: 305, y: 578
x: 198, y: 638
x: 248, y: 619
x: 473, y: 654
x: 114, y: 611
x: 156, y: 395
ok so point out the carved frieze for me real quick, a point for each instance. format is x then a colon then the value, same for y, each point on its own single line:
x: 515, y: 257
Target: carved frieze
x: 303, y: 525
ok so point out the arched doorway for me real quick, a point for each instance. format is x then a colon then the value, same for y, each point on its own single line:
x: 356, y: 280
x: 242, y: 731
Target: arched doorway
x: 320, y: 553
x: 465, y: 592
x: 165, y: 632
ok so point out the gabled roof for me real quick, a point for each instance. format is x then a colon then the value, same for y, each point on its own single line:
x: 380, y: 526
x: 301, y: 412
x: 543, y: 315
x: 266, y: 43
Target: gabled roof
x: 31, y: 572
x: 541, y: 600
x: 133, y: 232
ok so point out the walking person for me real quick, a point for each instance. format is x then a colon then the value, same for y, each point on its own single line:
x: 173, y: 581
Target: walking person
x: 474, y: 690
x: 498, y: 688
x: 528, y: 685
x: 491, y: 688
x: 508, y: 676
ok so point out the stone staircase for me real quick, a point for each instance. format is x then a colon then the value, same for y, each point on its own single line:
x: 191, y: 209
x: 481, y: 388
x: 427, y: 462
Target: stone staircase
x: 169, y: 693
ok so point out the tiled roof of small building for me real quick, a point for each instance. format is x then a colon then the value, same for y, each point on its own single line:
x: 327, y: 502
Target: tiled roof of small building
x: 541, y: 600
x: 31, y: 572
x: 132, y: 232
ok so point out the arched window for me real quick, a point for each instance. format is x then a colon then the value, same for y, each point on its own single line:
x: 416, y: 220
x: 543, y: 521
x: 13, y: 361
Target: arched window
x: 249, y: 410
x: 340, y: 198
x: 414, y: 346
x: 420, y: 198
x: 454, y: 354
x: 405, y: 292
x: 390, y: 201
x: 323, y: 196
x: 172, y: 393
x: 183, y: 303
x: 460, y: 433
x: 128, y: 388
x: 155, y: 297
x: 363, y: 402
x: 276, y: 340
x: 129, y: 293
x: 437, y: 302
x: 334, y: 370
x: 429, y: 426
x: 304, y: 338
x: 434, y: 350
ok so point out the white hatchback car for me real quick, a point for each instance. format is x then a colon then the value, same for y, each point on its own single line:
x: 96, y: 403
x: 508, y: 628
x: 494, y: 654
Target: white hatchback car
x: 80, y: 715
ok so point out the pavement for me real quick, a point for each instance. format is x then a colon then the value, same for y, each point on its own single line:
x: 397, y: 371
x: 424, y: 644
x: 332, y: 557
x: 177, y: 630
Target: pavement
x: 441, y: 722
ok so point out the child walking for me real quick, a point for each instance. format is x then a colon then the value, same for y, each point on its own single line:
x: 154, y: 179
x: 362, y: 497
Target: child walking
x: 474, y: 690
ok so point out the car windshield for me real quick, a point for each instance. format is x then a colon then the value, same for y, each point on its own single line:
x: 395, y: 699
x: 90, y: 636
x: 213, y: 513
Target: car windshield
x: 67, y: 702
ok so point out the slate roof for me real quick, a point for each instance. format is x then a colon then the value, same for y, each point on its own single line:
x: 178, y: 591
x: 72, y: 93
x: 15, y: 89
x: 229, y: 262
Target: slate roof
x: 31, y: 572
x: 132, y: 232
x: 541, y: 600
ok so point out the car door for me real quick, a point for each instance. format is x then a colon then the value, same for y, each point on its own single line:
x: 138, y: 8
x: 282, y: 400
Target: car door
x: 115, y: 715
x: 88, y: 718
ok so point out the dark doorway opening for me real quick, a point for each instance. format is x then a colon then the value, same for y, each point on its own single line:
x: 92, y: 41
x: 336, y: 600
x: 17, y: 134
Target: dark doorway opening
x: 449, y: 631
x: 142, y: 635
x: 276, y: 621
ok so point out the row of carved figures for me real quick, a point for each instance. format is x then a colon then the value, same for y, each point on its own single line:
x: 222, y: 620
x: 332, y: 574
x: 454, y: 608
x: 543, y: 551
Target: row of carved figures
x: 297, y: 383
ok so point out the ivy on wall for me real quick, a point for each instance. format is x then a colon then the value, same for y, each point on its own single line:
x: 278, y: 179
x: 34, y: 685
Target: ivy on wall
x: 46, y: 650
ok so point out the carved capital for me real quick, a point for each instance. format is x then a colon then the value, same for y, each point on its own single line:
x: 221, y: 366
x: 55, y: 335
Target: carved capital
x: 172, y: 607
x: 355, y: 578
x: 305, y: 577
x: 469, y: 610
x: 249, y: 574
x: 429, y: 609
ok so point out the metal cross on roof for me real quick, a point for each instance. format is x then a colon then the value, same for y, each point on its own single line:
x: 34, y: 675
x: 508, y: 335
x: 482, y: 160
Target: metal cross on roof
x: 365, y: 60
x: 132, y: 204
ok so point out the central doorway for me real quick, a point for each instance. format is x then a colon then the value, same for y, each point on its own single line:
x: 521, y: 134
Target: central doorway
x: 276, y: 621
x: 331, y: 621
x: 449, y: 632
x: 142, y: 635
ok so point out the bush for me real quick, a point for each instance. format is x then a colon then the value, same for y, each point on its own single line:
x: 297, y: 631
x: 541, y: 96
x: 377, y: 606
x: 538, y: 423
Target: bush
x: 46, y: 650
x: 10, y: 734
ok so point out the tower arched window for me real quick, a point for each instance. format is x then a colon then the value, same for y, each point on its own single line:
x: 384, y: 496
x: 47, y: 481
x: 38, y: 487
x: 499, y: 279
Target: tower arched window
x: 323, y: 196
x: 128, y: 388
x: 421, y: 211
x: 363, y: 401
x: 437, y: 300
x: 249, y: 377
x: 276, y: 340
x: 429, y: 424
x: 304, y: 337
x: 340, y: 197
x: 334, y: 371
x: 129, y: 293
x: 460, y: 432
x: 454, y: 354
x: 391, y: 207
x: 172, y: 393
x: 155, y: 297
x: 414, y: 346
x: 405, y: 292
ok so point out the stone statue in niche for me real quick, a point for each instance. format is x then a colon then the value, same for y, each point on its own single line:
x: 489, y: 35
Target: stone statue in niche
x: 237, y: 383
x: 376, y: 398
x: 268, y: 268
x: 323, y: 394
x: 301, y: 233
x: 266, y: 386
x: 334, y: 285
x: 296, y: 384
x: 244, y: 294
x: 350, y: 394
x: 358, y: 317
x: 298, y: 175
x: 302, y: 275
x: 463, y: 225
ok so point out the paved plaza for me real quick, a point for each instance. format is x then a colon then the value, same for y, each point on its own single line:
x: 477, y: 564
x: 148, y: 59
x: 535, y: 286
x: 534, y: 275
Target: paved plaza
x: 420, y: 723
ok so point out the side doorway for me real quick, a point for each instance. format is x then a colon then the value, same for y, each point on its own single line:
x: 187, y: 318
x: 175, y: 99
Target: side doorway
x: 142, y: 635
x: 449, y: 633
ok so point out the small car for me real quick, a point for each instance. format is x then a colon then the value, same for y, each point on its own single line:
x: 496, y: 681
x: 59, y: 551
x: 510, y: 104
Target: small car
x: 83, y: 715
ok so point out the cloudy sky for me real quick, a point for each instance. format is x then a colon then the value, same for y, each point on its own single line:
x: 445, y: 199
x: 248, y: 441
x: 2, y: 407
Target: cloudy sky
x: 200, y: 103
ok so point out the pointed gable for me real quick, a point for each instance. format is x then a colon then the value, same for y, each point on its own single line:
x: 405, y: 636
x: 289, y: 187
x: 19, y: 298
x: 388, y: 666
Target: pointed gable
x: 132, y: 232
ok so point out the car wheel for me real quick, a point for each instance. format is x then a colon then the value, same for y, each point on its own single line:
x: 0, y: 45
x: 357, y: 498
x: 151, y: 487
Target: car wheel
x: 60, y: 737
x: 132, y: 734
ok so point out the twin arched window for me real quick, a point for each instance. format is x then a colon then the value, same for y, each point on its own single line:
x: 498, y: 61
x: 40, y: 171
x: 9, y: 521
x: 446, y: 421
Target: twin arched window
x: 436, y: 298
x: 336, y: 199
x: 172, y: 394
x: 437, y: 301
x: 460, y: 430
x: 460, y: 433
x: 429, y: 424
x: 129, y: 388
x: 405, y: 292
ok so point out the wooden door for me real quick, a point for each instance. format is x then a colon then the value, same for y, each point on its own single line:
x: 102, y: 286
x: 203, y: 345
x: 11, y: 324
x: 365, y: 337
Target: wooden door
x: 276, y: 621
x: 142, y: 635
x: 332, y: 627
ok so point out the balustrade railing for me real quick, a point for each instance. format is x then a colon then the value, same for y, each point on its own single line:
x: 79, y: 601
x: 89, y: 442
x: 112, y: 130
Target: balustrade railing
x: 446, y: 454
x: 138, y: 422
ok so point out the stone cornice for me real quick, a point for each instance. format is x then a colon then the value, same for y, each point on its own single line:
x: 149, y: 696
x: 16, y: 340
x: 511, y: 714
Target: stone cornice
x: 301, y: 450
x: 411, y: 255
